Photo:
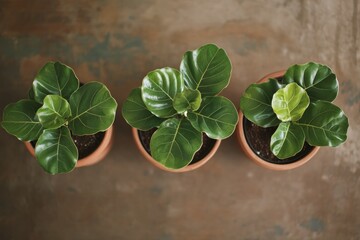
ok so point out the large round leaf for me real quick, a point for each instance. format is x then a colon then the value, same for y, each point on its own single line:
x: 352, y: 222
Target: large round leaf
x: 175, y: 143
x: 93, y: 109
x: 159, y: 88
x: 324, y: 124
x: 289, y: 103
x: 255, y: 103
x: 318, y: 80
x: 187, y: 100
x: 19, y: 119
x: 217, y: 117
x: 287, y: 140
x: 55, y: 151
x: 54, y: 78
x: 136, y: 114
x: 207, y: 69
x: 54, y: 112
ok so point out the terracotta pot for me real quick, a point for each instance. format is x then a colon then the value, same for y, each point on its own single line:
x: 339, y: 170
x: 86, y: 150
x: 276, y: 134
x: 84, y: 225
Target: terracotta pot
x: 250, y: 154
x: 94, y: 157
x: 188, y: 168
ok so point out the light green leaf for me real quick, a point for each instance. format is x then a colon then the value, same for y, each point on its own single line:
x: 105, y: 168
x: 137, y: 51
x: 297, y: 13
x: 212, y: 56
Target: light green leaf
x: 287, y: 140
x: 207, y: 69
x: 54, y: 78
x: 159, y: 88
x: 318, y: 80
x: 93, y: 109
x: 289, y: 103
x: 19, y: 119
x: 255, y: 103
x: 175, y: 143
x: 187, y: 100
x: 55, y: 112
x: 217, y: 117
x: 136, y: 114
x: 324, y: 124
x: 55, y: 151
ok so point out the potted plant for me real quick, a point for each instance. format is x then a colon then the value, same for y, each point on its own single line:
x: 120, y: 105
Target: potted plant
x: 177, y: 115
x: 62, y: 121
x: 287, y: 115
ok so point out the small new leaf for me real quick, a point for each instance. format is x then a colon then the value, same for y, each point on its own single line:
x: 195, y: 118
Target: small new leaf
x: 187, y: 100
x: 55, y: 112
x: 289, y: 103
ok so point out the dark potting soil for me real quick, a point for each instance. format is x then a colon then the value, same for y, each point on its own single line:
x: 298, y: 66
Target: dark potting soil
x: 259, y: 139
x: 86, y: 144
x: 208, y: 144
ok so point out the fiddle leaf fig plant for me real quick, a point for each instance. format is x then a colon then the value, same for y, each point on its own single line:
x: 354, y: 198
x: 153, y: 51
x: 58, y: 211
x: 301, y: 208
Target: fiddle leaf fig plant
x: 58, y: 108
x: 301, y: 107
x: 184, y: 104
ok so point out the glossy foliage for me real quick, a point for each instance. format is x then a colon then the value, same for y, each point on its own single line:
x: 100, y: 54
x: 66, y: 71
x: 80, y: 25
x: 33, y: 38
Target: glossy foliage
x: 54, y: 78
x: 19, y: 119
x: 289, y: 103
x: 175, y: 143
x: 159, y: 88
x: 301, y: 106
x: 185, y: 104
x: 217, y: 117
x: 318, y: 80
x: 56, y: 151
x: 93, y: 109
x: 207, y: 69
x: 324, y: 124
x: 255, y: 103
x: 136, y: 114
x: 287, y: 140
x: 56, y: 106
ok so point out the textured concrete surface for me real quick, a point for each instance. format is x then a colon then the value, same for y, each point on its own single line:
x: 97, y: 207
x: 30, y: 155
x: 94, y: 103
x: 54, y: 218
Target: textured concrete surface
x: 124, y: 197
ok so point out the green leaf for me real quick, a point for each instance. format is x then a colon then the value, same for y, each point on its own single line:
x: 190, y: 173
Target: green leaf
x: 217, y: 117
x: 324, y: 124
x: 93, y: 109
x: 175, y: 143
x: 255, y: 103
x: 54, y: 112
x: 136, y: 114
x: 289, y: 103
x: 19, y: 119
x: 207, y: 69
x: 318, y: 80
x: 287, y: 140
x: 187, y: 100
x: 55, y: 78
x: 159, y: 88
x: 55, y: 151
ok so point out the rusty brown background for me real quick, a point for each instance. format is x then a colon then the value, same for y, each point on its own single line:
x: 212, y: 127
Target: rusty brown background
x: 124, y: 197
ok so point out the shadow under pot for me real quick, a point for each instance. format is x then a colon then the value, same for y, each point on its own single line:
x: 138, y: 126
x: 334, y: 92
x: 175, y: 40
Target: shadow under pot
x: 255, y: 142
x: 91, y: 148
x: 207, y: 150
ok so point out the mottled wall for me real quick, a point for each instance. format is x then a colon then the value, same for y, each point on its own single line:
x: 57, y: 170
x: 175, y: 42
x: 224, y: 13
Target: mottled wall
x: 118, y: 42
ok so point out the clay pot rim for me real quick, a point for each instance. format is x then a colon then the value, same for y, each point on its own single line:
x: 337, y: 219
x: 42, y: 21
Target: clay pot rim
x: 96, y: 156
x: 187, y: 168
x: 249, y: 152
